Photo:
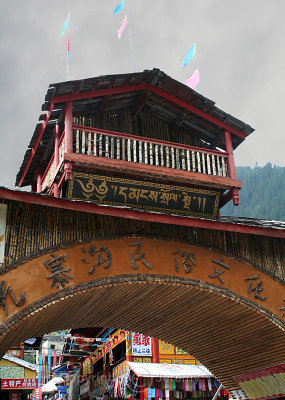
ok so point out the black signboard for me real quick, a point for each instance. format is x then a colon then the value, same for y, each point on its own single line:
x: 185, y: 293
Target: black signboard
x: 148, y: 196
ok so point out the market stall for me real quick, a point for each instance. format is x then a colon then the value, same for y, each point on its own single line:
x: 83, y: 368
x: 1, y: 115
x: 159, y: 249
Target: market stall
x: 146, y: 381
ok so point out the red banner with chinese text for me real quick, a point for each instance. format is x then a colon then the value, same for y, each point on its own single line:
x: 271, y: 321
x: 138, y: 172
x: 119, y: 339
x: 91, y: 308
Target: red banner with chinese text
x: 18, y: 384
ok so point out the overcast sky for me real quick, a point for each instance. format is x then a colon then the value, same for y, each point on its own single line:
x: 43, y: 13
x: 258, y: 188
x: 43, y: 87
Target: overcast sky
x: 240, y: 54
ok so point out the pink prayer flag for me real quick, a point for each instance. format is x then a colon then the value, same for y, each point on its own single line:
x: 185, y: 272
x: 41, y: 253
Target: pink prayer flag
x: 124, y: 23
x: 193, y: 79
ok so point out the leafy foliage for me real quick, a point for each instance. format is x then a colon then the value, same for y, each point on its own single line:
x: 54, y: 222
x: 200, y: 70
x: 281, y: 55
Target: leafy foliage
x: 262, y: 195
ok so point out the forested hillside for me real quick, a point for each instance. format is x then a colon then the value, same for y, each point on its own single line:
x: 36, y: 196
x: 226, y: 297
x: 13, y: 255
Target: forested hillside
x: 262, y: 194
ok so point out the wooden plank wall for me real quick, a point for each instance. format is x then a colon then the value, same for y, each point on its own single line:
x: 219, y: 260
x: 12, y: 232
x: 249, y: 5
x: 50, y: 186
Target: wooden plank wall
x: 33, y: 230
x: 142, y: 124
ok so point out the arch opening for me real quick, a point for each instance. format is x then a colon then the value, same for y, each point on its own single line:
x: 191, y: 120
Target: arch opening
x: 221, y: 331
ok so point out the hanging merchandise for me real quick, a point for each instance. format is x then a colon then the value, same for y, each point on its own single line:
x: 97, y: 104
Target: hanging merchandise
x: 189, y: 55
x: 124, y: 23
x: 119, y: 7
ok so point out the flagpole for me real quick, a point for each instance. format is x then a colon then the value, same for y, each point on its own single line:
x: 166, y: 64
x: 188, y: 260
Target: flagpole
x: 131, y: 38
x: 68, y: 49
x: 67, y: 26
x: 68, y: 55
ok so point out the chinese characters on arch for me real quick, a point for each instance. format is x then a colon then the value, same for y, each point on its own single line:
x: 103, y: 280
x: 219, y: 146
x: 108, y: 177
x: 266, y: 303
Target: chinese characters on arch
x: 96, y: 257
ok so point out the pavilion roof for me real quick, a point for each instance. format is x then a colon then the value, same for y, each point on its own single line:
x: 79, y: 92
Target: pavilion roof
x: 151, y: 91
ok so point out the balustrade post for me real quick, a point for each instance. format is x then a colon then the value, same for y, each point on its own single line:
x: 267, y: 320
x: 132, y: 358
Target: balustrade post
x: 231, y: 165
x: 68, y: 139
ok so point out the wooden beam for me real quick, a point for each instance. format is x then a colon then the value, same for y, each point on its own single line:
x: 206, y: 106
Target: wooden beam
x: 141, y: 102
x: 35, y: 146
x: 226, y: 197
x: 196, y: 111
x: 152, y: 171
x: 153, y: 89
x: 103, y: 106
x: 219, y: 140
x: 44, y: 200
x: 98, y: 93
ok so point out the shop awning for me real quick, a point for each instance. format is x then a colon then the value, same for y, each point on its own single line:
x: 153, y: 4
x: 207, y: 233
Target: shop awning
x: 51, y: 385
x: 169, y: 370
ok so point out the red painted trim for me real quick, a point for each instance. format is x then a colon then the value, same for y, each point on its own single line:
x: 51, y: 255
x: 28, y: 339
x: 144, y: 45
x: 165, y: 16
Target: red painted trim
x: 146, y: 86
x: 177, y: 175
x: 231, y: 166
x: 44, y: 200
x: 40, y: 134
x: 154, y: 345
x: 141, y: 387
x: 55, y: 190
x: 229, y: 148
x: 52, y: 158
x: 98, y: 93
x: 56, y: 145
x: 48, y: 168
x: 61, y: 138
x: 148, y: 140
x: 68, y: 128
x: 61, y: 180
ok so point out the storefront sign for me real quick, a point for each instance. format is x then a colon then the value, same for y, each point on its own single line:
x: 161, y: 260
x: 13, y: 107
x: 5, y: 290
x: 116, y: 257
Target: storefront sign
x: 11, y: 372
x: 3, y: 216
x: 38, y: 393
x: 18, y: 384
x: 147, y: 196
x: 14, y: 353
x: 119, y: 369
x: 141, y: 345
x: 264, y: 383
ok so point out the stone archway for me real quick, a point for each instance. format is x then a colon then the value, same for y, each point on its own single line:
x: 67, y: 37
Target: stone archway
x: 223, y: 311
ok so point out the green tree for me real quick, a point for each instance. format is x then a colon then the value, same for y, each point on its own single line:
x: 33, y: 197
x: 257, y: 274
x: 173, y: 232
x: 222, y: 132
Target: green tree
x: 262, y: 195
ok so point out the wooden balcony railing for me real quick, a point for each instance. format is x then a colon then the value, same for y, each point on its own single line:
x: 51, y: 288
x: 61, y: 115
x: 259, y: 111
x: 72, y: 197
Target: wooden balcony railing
x: 135, y: 149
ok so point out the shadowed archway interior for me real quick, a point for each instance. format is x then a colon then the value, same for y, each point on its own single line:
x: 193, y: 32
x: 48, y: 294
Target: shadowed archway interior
x: 226, y: 334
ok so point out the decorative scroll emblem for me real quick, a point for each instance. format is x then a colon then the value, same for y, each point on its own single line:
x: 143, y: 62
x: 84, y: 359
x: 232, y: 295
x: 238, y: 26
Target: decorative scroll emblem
x: 147, y: 196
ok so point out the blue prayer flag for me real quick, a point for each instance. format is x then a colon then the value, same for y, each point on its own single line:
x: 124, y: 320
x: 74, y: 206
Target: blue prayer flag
x: 189, y: 55
x: 119, y: 7
x: 65, y: 24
